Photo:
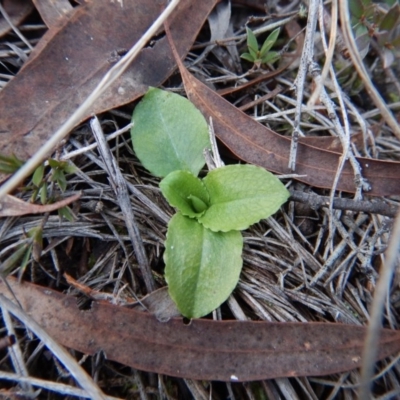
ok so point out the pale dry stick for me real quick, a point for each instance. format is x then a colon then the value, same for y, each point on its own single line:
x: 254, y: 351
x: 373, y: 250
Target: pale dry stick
x: 297, y: 248
x: 344, y: 135
x: 329, y: 54
x: 59, y: 388
x: 124, y: 249
x: 360, y: 120
x: 196, y: 389
x: 279, y: 113
x: 236, y: 310
x: 14, y: 28
x: 114, y: 73
x: 343, y: 265
x: 359, y: 66
x: 333, y: 257
x: 373, y: 113
x: 15, y: 352
x: 92, y: 146
x: 214, y: 148
x: 306, y: 388
x: 312, y: 112
x: 316, y: 202
x: 305, y: 62
x: 286, y: 388
x: 375, y: 324
x: 119, y: 186
x: 80, y: 375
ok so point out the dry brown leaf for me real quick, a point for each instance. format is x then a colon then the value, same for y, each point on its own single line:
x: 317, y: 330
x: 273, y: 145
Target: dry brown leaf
x: 71, y: 59
x: 51, y: 11
x: 11, y: 206
x: 204, y: 349
x: 254, y: 143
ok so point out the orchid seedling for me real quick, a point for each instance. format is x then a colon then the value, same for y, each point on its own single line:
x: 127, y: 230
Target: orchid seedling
x: 203, y: 248
x: 264, y: 55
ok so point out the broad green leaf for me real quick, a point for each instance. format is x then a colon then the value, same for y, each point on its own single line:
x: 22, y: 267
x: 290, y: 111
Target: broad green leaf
x: 169, y: 133
x: 241, y: 195
x: 186, y: 192
x: 202, y: 266
x: 252, y: 43
x: 269, y: 42
x: 248, y: 57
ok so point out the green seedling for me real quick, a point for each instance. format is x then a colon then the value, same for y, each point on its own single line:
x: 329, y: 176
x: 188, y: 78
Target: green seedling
x: 39, y: 184
x: 59, y: 169
x: 264, y: 55
x: 9, y: 164
x: 203, y: 249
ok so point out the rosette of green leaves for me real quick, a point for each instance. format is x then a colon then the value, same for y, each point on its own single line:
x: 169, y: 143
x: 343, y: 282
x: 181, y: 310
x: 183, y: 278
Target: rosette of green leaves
x: 264, y: 55
x: 204, y: 244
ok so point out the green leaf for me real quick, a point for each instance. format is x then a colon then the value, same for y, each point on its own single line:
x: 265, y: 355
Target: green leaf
x: 241, y: 195
x: 69, y: 169
x: 202, y: 266
x: 60, y: 178
x: 10, y: 164
x: 271, y: 57
x: 356, y: 8
x: 54, y: 163
x: 65, y: 212
x: 198, y: 204
x: 248, y: 57
x: 38, y: 175
x: 169, y: 133
x: 269, y: 42
x: 252, y: 43
x: 43, y: 193
x: 391, y: 18
x: 185, y: 192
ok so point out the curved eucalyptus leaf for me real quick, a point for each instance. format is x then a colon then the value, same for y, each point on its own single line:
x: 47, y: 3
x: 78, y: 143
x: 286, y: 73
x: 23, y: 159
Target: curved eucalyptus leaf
x: 169, y: 133
x: 241, y: 195
x: 202, y: 266
x: 185, y: 192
